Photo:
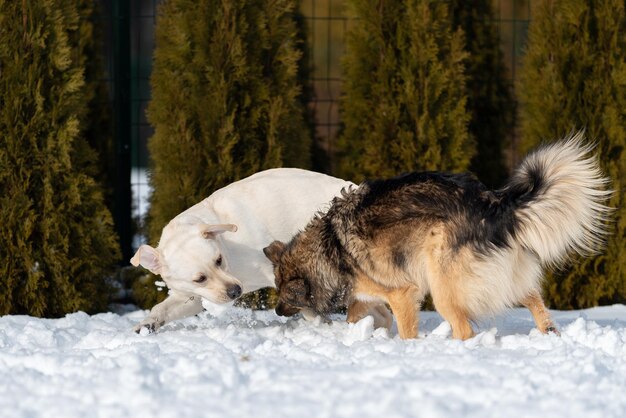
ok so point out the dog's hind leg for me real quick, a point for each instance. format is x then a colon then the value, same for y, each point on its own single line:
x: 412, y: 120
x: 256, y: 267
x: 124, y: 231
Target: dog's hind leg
x: 461, y: 327
x: 445, y: 270
x: 448, y: 301
x: 541, y: 315
x: 448, y: 307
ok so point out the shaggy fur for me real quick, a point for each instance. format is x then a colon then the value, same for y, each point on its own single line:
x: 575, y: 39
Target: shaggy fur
x: 476, y: 251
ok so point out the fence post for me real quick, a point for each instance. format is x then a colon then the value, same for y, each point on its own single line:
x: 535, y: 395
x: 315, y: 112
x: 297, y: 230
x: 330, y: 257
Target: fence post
x: 122, y: 128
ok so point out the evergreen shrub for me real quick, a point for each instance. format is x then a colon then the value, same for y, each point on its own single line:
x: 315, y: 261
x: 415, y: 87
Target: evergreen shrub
x: 574, y: 76
x: 58, y: 245
x: 489, y: 95
x: 404, y: 101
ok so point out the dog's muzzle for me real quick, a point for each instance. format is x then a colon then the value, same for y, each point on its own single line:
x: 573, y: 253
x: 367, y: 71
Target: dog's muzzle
x: 233, y: 291
x: 283, y: 309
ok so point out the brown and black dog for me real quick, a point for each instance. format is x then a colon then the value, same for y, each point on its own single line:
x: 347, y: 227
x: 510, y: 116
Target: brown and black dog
x: 475, y: 251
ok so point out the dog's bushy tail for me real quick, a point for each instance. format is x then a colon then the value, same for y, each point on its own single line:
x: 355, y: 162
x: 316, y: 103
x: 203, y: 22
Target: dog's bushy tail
x: 559, y: 195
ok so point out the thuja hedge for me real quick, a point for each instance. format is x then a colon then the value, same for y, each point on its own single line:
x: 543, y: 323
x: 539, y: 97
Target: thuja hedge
x: 573, y: 77
x: 58, y: 244
x: 404, y: 102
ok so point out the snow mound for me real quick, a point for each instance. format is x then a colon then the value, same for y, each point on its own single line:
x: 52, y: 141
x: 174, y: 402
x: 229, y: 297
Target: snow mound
x: 241, y: 363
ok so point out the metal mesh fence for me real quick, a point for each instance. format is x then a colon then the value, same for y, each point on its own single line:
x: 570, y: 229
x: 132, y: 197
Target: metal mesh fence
x: 327, y: 24
x: 143, y: 19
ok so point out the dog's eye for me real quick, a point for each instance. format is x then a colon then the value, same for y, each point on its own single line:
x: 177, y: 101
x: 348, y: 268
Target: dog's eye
x: 218, y: 262
x: 201, y: 279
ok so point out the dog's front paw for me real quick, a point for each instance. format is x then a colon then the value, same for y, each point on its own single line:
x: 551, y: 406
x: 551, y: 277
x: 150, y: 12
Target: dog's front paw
x: 148, y: 326
x: 552, y: 329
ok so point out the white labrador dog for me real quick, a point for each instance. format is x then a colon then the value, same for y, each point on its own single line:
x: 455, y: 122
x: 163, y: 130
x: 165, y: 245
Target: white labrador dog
x: 214, y: 250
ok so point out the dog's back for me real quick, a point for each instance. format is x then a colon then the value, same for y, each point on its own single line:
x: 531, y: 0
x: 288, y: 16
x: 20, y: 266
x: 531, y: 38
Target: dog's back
x: 471, y: 214
x: 276, y: 202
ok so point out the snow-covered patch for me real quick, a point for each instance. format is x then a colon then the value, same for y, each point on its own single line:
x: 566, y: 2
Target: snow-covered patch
x: 141, y: 191
x: 241, y: 363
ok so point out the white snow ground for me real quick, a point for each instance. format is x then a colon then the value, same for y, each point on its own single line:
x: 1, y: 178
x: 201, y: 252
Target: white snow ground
x: 239, y: 363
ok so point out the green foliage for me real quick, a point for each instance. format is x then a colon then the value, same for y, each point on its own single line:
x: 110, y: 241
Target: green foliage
x: 489, y: 96
x: 574, y: 76
x: 404, y: 103
x: 145, y: 293
x: 58, y: 244
x: 227, y: 98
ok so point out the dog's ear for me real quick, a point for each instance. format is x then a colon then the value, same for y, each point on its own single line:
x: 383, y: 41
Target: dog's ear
x: 274, y: 251
x: 149, y: 258
x: 211, y: 231
x: 296, y: 292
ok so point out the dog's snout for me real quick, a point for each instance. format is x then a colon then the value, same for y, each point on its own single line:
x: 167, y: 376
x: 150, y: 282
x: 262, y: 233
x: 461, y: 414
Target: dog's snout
x: 234, y: 291
x: 280, y: 311
x: 283, y: 309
